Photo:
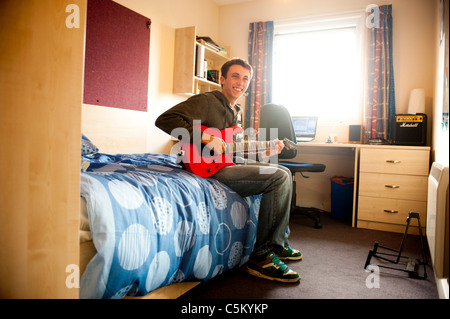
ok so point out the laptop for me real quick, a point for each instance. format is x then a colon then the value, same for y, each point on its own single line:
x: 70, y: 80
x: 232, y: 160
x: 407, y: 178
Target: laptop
x: 305, y: 127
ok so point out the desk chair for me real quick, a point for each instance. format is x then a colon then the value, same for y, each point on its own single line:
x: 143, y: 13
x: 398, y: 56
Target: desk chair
x: 277, y: 116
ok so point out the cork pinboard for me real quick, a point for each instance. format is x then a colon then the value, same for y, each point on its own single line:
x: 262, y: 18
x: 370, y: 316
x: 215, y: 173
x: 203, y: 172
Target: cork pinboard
x: 116, y: 57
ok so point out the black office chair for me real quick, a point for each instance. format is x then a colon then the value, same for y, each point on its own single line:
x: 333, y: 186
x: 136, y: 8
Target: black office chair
x: 277, y: 116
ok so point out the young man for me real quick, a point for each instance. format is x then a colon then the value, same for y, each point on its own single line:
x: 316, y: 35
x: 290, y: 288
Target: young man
x: 218, y: 109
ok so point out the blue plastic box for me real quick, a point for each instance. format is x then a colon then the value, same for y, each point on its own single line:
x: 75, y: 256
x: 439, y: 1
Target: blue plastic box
x: 342, y: 197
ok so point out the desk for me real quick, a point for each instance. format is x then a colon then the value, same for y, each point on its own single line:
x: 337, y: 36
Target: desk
x: 344, y: 159
x: 341, y: 159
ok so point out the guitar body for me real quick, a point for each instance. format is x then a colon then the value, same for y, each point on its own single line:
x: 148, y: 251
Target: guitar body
x: 199, y: 160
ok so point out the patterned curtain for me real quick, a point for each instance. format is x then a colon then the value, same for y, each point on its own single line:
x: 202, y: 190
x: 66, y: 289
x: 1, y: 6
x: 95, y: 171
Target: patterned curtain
x: 380, y: 103
x: 260, y: 52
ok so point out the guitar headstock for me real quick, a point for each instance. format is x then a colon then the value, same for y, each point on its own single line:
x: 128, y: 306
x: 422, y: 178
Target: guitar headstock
x: 290, y: 145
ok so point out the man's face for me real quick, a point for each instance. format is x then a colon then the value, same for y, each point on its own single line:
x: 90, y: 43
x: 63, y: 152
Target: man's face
x: 235, y: 83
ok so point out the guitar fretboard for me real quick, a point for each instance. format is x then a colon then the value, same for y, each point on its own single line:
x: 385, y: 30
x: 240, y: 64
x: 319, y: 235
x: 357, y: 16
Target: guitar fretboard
x: 249, y: 146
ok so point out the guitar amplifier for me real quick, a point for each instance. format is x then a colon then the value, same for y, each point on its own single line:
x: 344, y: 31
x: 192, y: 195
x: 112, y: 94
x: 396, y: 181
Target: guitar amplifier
x: 410, y: 129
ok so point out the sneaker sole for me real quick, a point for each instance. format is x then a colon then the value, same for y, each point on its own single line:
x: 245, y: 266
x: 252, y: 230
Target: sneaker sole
x: 260, y: 275
x: 291, y: 258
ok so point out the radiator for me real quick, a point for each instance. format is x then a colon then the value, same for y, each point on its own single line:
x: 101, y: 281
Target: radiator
x: 437, y: 220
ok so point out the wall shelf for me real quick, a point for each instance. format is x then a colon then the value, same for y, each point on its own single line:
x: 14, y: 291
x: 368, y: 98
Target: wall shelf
x: 185, y: 80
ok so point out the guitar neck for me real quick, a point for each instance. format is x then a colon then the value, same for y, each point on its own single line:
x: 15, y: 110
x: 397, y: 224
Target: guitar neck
x: 249, y: 146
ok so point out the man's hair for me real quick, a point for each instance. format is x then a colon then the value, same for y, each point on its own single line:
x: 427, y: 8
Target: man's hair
x: 226, y: 66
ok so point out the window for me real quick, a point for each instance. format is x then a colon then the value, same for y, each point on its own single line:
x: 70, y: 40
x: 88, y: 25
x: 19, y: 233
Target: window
x: 317, y: 67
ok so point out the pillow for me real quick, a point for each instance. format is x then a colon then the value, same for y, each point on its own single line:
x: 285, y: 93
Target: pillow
x: 87, y: 147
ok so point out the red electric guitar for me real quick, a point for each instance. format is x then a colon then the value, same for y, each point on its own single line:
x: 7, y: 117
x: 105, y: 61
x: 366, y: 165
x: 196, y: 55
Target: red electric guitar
x: 203, y: 162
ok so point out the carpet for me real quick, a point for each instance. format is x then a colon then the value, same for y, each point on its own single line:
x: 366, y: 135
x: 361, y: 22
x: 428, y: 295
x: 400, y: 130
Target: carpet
x: 332, y: 268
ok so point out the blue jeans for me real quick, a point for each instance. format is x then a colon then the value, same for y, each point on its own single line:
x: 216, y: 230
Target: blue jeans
x: 274, y: 182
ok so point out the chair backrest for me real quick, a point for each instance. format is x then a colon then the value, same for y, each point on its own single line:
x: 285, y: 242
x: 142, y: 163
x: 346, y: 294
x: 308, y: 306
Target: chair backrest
x: 277, y: 116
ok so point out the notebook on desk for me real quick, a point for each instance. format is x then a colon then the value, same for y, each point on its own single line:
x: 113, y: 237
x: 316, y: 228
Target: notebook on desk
x: 305, y: 127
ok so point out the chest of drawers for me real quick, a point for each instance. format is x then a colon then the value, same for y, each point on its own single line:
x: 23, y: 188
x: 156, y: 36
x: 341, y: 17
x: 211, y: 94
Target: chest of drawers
x: 393, y: 180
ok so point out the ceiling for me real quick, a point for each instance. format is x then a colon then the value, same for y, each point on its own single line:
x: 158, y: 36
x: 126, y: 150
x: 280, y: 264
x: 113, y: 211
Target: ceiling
x: 225, y: 2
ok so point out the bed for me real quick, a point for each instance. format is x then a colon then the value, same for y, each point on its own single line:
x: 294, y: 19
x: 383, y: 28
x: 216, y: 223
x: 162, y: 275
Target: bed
x: 146, y: 223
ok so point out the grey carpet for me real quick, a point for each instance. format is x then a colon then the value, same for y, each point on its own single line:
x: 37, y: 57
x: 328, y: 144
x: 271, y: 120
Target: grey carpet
x: 332, y: 268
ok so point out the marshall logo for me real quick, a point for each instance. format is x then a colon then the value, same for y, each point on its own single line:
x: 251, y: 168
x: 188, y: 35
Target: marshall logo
x: 409, y: 125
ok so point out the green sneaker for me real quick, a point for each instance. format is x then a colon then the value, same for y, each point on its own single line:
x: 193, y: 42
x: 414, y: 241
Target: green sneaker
x: 290, y: 254
x: 272, y: 268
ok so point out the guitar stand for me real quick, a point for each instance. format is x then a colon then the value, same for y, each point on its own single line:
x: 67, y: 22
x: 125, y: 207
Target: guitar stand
x: 412, y: 265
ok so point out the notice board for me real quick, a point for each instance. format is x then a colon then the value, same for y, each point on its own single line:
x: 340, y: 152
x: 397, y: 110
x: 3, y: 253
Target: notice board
x: 116, y: 57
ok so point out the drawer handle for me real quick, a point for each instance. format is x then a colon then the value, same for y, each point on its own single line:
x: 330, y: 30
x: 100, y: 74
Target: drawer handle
x: 393, y: 161
x: 391, y: 211
x: 392, y: 186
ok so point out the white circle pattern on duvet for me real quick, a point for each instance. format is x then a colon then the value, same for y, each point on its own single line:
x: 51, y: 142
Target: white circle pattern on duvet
x: 239, y: 215
x: 219, y: 196
x: 203, y: 218
x: 134, y: 247
x: 235, y: 253
x: 163, y: 215
x: 184, y: 237
x: 192, y: 179
x: 217, y: 271
x: 222, y: 238
x: 202, y: 263
x: 158, y: 270
x: 178, y: 276
x: 127, y: 195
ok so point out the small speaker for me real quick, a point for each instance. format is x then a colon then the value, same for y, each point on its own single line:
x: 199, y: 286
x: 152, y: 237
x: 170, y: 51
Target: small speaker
x: 410, y: 129
x: 354, y: 134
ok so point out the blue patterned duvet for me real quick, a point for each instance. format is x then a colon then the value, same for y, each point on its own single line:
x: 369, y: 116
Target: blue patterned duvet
x: 154, y: 224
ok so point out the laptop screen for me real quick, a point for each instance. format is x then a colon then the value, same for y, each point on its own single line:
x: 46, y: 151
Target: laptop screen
x: 305, y: 127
